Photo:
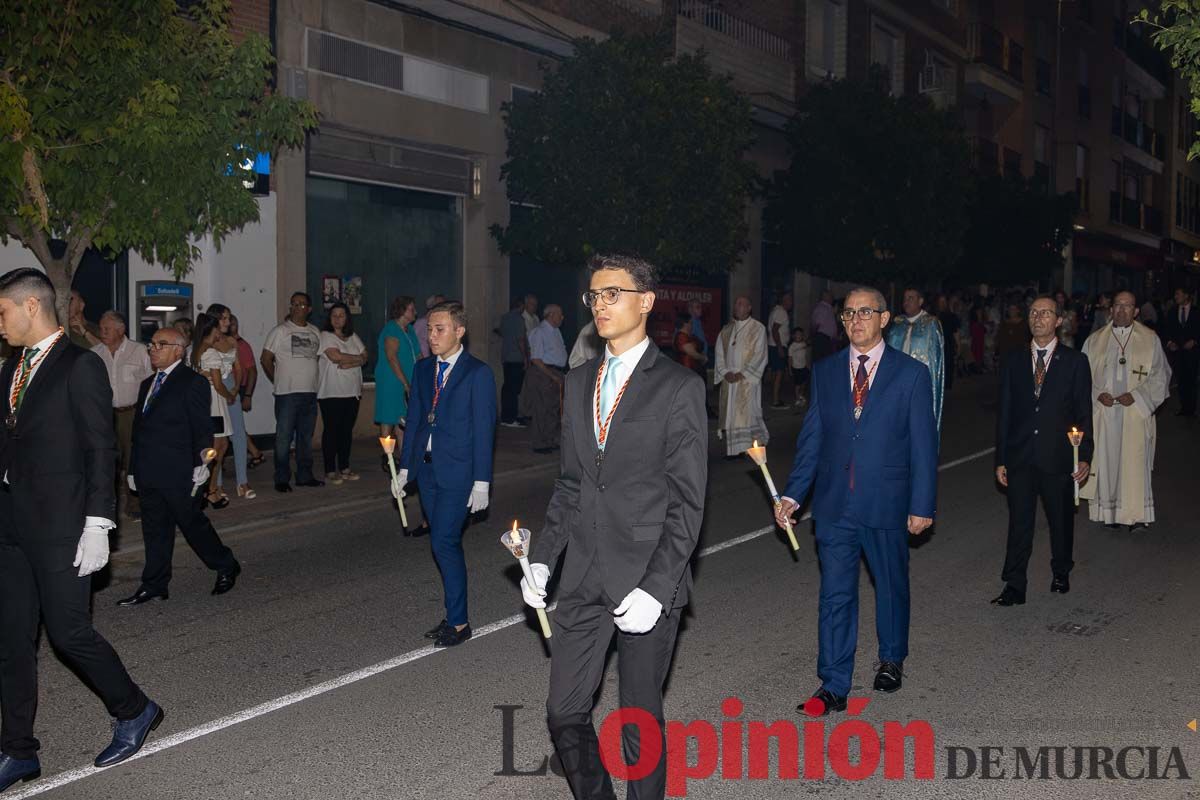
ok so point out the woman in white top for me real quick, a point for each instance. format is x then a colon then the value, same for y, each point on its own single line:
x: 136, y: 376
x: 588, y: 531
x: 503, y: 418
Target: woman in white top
x: 339, y: 389
x: 212, y: 364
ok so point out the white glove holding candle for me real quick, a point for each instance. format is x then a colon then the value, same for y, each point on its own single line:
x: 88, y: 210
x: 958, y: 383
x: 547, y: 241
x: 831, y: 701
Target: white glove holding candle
x: 638, y: 612
x: 478, y: 500
x: 92, y: 553
x: 200, y: 474
x: 535, y: 596
x: 399, y: 483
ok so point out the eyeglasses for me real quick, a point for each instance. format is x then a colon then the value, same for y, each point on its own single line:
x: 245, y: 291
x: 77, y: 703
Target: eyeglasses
x: 609, y: 294
x: 156, y: 346
x: 1039, y: 313
x: 300, y: 304
x: 864, y: 313
x: 1123, y: 305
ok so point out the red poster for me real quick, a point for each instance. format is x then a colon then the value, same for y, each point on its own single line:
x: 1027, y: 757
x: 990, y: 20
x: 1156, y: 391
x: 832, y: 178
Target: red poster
x: 672, y: 298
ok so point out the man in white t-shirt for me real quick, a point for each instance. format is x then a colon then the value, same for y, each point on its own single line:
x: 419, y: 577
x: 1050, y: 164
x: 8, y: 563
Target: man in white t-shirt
x: 289, y: 359
x: 779, y: 334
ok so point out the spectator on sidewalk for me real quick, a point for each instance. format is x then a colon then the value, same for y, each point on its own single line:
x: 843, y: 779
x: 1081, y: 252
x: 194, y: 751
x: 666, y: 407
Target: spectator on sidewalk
x: 779, y: 327
x: 421, y: 326
x: 171, y: 427
x: 588, y: 345
x: 339, y: 391
x: 246, y: 393
x: 211, y: 362
x: 544, y: 380
x: 798, y: 360
x: 81, y: 331
x: 824, y: 327
x: 128, y: 365
x: 696, y: 311
x: 289, y: 360
x: 233, y: 373
x: 514, y: 355
x: 530, y: 313
x: 686, y: 346
x: 185, y: 327
x: 399, y: 351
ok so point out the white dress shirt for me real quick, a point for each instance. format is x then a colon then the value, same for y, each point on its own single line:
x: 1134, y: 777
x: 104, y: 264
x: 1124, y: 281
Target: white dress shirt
x: 1034, y: 347
x: 626, y: 363
x: 127, y: 368
x: 451, y: 359
x: 167, y: 372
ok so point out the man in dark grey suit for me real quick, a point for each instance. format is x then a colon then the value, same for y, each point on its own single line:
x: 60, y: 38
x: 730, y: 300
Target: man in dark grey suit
x: 627, y: 509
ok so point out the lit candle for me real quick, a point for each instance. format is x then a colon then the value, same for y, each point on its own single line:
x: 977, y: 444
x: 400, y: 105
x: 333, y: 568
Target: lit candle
x: 759, y: 456
x: 206, y: 457
x: 517, y: 542
x: 1076, y: 438
x: 389, y: 447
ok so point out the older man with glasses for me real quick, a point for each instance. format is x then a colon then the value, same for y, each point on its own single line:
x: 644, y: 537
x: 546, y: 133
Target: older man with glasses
x: 868, y: 450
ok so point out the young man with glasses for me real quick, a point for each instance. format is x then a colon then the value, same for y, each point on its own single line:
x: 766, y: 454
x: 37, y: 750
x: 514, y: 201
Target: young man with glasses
x: 1045, y: 392
x: 868, y: 450
x: 289, y: 359
x: 627, y: 508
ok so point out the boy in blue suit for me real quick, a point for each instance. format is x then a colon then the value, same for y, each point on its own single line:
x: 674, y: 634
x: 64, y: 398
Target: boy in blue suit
x: 868, y: 449
x: 448, y: 452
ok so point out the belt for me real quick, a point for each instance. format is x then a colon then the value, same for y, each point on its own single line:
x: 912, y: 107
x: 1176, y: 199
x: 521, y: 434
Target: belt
x: 125, y: 408
x: 560, y: 369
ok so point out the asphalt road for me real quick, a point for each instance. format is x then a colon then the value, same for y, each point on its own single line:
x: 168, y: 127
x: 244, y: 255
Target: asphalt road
x: 311, y: 679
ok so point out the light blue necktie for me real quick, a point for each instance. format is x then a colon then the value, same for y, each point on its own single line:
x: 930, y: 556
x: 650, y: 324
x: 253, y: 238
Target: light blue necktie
x: 153, y: 393
x: 441, y: 374
x: 608, y: 390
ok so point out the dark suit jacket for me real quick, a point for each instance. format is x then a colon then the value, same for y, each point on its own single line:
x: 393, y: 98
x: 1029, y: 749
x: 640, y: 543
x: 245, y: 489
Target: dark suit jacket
x: 637, y: 513
x: 1033, y: 432
x: 1174, y: 332
x: 169, y: 436
x: 61, y: 459
x: 464, y: 431
x: 893, y: 447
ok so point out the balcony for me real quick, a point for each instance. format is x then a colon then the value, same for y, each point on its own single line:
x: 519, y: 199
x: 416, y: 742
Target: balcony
x: 1146, y: 63
x: 1134, y: 214
x: 758, y: 60
x: 1144, y: 145
x: 995, y: 69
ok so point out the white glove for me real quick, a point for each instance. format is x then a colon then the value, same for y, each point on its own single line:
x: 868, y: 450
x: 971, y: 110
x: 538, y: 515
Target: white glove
x: 200, y: 474
x: 478, y: 500
x: 399, y: 483
x: 132, y: 483
x: 92, y: 553
x: 638, y: 612
x: 535, y: 596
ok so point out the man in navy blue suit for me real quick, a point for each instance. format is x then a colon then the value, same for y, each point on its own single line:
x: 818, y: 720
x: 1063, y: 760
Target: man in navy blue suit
x: 868, y: 449
x: 448, y: 452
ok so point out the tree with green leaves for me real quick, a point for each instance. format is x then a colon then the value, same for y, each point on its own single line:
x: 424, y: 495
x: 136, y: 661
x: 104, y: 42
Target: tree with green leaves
x: 878, y: 188
x: 1175, y: 26
x: 123, y: 125
x: 1017, y: 231
x: 628, y: 149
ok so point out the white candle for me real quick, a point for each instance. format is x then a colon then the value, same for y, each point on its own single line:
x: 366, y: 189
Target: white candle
x: 517, y: 542
x: 206, y: 457
x: 1076, y: 438
x: 758, y: 455
x: 389, y: 447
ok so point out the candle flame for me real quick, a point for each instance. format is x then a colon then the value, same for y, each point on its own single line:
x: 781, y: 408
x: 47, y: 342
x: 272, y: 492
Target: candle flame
x: 755, y: 442
x: 514, y: 526
x: 1073, y: 429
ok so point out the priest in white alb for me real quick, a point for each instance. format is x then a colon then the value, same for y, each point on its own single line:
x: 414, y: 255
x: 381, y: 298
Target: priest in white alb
x: 1130, y: 380
x: 741, y: 359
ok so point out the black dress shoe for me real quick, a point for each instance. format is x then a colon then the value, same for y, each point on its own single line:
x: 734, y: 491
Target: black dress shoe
x: 18, y: 769
x: 1009, y: 597
x: 142, y: 595
x: 313, y: 482
x: 451, y: 637
x: 436, y: 630
x: 226, y: 580
x: 129, y: 735
x: 889, y: 677
x: 283, y: 487
x: 1060, y: 584
x: 421, y: 531
x: 826, y: 703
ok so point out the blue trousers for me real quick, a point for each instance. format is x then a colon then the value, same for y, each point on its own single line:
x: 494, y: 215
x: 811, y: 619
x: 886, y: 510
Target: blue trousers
x: 446, y: 509
x: 839, y: 548
x: 295, y: 419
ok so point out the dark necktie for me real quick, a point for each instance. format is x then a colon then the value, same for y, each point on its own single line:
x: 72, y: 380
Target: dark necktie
x: 1039, y: 373
x: 862, y: 382
x: 153, y: 393
x: 441, y: 376
x: 30, y: 352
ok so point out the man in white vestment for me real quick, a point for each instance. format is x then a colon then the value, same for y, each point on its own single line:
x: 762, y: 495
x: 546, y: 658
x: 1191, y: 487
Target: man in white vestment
x: 740, y: 364
x: 1130, y: 377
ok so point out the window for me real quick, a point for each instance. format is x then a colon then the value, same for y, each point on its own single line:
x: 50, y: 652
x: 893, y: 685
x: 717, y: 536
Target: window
x: 825, y: 33
x: 1114, y: 192
x: 949, y: 6
x: 1179, y: 217
x: 1012, y: 163
x: 938, y: 79
x: 1082, y: 185
x: 885, y: 51
x: 1041, y: 144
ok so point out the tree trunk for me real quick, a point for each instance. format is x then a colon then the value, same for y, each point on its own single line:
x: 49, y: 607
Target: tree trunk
x: 59, y: 271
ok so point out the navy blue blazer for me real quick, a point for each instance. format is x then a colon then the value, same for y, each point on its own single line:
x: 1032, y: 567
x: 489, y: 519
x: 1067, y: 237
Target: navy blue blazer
x: 894, y: 446
x: 168, y: 436
x: 464, y: 429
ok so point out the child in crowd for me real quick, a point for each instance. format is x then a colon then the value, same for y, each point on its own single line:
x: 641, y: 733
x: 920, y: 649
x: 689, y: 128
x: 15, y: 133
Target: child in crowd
x: 798, y: 358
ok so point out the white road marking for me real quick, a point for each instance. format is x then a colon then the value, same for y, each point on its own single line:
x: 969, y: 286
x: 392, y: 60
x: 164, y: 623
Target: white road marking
x: 176, y: 739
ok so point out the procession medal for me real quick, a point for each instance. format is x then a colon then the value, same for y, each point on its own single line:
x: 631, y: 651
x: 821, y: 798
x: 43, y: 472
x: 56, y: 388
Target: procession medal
x: 432, y: 416
x: 858, y: 411
x: 10, y: 421
x: 1121, y: 360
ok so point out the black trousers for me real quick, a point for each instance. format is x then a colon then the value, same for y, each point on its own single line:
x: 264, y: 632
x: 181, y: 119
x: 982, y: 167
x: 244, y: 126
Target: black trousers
x: 162, y: 511
x: 1185, y: 364
x: 337, y: 419
x: 1026, y: 485
x: 37, y: 582
x: 583, y: 629
x: 514, y: 378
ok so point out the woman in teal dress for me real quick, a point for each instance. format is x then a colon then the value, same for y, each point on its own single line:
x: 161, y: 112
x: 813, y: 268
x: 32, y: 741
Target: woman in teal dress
x: 398, y: 352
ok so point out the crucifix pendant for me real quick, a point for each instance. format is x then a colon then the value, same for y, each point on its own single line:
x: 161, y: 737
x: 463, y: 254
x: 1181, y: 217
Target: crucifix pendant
x: 858, y: 411
x: 1121, y: 361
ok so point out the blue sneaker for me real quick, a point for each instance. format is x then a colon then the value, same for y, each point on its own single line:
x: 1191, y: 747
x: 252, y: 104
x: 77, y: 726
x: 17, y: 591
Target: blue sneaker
x: 18, y: 769
x: 129, y: 735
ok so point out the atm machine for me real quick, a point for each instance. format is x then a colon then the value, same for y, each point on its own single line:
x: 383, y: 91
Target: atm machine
x: 160, y: 303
